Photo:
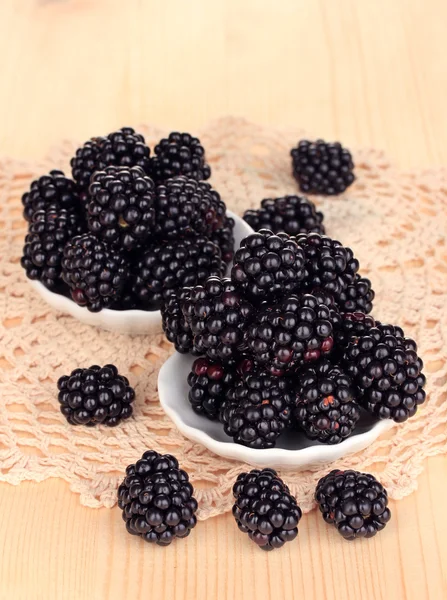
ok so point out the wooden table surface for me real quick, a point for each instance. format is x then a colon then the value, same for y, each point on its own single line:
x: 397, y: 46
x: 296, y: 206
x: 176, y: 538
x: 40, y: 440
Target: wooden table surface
x: 365, y: 72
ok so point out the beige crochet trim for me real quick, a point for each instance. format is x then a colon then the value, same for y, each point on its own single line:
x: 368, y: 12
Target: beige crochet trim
x: 396, y: 223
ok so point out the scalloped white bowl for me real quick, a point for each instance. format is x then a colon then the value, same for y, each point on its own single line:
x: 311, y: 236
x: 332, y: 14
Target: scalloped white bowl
x: 132, y: 322
x: 293, y: 451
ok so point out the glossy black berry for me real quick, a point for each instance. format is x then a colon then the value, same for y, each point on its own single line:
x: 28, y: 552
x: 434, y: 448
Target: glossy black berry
x: 322, y: 168
x: 325, y: 402
x: 209, y: 383
x: 290, y: 214
x: 94, y: 396
x: 121, y: 207
x: 179, y: 154
x: 265, y: 509
x: 176, y: 327
x: 357, y: 296
x: 257, y: 409
x: 186, y: 208
x: 283, y: 336
x: 168, y: 266
x: 268, y: 266
x: 385, y: 366
x: 123, y: 148
x: 224, y: 238
x: 355, y: 503
x: 53, y: 191
x: 44, y: 245
x: 95, y: 273
x: 349, y: 327
x: 219, y: 316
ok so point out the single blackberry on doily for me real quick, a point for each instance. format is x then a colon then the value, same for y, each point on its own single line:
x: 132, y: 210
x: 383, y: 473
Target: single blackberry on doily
x: 257, y: 409
x: 355, y: 503
x: 350, y: 326
x: 95, y: 273
x: 386, y: 368
x: 219, y: 316
x: 166, y: 267
x: 179, y: 154
x: 121, y: 207
x: 122, y: 148
x: 296, y: 331
x: 325, y: 402
x: 157, y: 499
x: 290, y: 214
x: 322, y: 168
x: 185, y: 208
x: 53, y: 191
x: 265, y: 509
x: 44, y: 245
x: 268, y: 266
x: 176, y: 327
x: 97, y: 395
x: 224, y: 238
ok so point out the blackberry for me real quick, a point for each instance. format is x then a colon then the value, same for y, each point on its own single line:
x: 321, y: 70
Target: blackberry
x: 286, y: 335
x: 123, y: 148
x: 44, y: 244
x: 121, y: 207
x: 175, y: 325
x: 265, y: 509
x: 50, y: 191
x: 97, y: 395
x: 325, y: 407
x: 224, y: 238
x: 268, y: 266
x: 332, y: 267
x: 291, y: 214
x: 349, y: 326
x: 358, y: 296
x: 95, y: 273
x: 186, y: 208
x: 166, y: 267
x: 356, y: 503
x: 179, y: 154
x: 157, y: 500
x: 322, y: 168
x: 386, y: 368
x: 257, y: 409
x: 209, y: 383
x: 218, y: 315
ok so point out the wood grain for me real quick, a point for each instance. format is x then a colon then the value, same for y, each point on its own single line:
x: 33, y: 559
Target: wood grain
x: 368, y: 73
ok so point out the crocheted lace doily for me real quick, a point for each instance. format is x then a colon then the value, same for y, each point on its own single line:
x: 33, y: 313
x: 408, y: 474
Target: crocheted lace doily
x: 396, y: 223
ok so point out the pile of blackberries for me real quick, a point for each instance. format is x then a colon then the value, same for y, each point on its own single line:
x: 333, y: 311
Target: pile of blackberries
x: 128, y: 229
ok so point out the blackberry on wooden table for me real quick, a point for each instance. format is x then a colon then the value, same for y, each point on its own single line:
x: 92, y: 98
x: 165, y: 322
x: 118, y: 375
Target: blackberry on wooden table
x: 179, y: 154
x: 97, y: 395
x: 52, y: 191
x: 265, y: 509
x: 157, y: 499
x: 355, y: 503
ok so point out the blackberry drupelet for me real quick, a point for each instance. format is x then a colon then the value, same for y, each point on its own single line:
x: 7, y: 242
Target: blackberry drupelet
x: 157, y: 500
x: 322, y: 168
x: 209, y: 383
x: 296, y: 331
x: 167, y: 267
x: 44, y: 245
x: 185, y: 208
x: 356, y: 503
x: 357, y: 297
x: 50, y: 191
x: 95, y: 273
x: 257, y: 409
x: 325, y: 407
x: 179, y: 154
x: 265, y: 509
x: 350, y: 326
x: 218, y: 315
x: 224, y: 238
x: 386, y: 368
x: 268, y: 266
x: 175, y: 325
x: 97, y: 395
x: 291, y: 214
x: 123, y: 148
x: 121, y: 207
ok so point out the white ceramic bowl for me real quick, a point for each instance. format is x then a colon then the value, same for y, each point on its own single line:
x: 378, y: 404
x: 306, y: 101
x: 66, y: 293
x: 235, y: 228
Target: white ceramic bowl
x: 294, y: 450
x: 132, y: 322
